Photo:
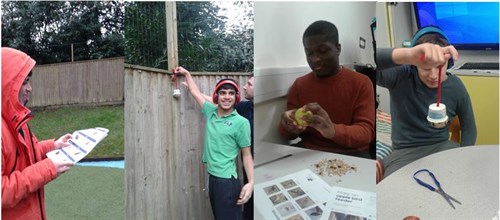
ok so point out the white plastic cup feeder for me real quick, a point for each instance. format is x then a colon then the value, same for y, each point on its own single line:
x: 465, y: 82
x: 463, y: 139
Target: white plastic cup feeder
x: 437, y: 116
x: 177, y: 93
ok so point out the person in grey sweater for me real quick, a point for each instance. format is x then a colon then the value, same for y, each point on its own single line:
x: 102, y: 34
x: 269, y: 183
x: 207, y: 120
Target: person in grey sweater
x: 411, y: 76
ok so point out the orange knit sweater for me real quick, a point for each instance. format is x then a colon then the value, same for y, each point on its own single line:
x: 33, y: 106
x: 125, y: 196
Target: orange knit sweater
x: 347, y: 97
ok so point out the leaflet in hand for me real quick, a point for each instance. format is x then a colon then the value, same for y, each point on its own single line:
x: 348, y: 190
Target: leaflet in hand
x: 82, y: 143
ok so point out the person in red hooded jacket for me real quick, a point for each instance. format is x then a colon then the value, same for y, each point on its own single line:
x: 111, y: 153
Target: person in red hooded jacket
x: 25, y: 166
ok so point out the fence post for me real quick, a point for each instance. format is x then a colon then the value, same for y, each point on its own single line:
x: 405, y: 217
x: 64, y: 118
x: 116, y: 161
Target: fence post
x: 171, y: 21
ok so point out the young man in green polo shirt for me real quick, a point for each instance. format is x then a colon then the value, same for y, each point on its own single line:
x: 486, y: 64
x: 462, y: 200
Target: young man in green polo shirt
x: 226, y: 134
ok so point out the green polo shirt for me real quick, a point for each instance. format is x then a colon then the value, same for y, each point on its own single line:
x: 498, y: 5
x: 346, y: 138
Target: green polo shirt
x: 224, y: 137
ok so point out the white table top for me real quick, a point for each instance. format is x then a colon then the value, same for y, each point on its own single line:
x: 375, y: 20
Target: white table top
x: 362, y: 179
x: 469, y: 174
x: 274, y: 160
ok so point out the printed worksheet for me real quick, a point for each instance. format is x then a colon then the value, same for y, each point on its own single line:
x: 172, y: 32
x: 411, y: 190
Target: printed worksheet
x: 351, y: 204
x: 82, y: 143
x: 301, y: 195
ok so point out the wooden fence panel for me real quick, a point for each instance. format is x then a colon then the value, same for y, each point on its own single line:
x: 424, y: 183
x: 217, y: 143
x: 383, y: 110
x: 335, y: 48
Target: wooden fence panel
x: 78, y: 83
x: 165, y: 178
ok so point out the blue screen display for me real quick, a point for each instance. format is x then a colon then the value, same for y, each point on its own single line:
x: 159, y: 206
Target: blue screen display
x: 468, y: 25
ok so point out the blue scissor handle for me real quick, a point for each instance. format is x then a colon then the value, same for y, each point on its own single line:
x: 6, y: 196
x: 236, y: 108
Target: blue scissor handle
x: 425, y: 184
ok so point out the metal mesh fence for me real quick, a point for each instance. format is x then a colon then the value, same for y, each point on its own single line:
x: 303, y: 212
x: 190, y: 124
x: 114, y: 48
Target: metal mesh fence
x: 206, y: 42
x: 145, y: 34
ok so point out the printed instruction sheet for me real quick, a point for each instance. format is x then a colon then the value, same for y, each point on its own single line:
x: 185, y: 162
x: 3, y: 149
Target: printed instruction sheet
x: 351, y: 204
x: 303, y: 195
x: 81, y: 144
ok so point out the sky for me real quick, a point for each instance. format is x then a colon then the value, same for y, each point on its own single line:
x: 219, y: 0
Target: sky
x: 235, y: 14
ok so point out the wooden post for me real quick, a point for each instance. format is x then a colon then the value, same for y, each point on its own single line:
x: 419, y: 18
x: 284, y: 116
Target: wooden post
x: 173, y: 110
x: 72, y: 60
x: 171, y: 17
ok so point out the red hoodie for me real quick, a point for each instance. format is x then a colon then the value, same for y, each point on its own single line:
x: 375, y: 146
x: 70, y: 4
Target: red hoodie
x: 25, y: 167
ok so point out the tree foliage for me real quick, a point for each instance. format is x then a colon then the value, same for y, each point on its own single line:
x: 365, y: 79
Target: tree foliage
x: 205, y: 40
x: 145, y: 34
x: 47, y: 29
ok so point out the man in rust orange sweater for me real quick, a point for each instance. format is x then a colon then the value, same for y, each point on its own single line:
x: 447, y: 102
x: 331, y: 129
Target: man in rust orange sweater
x: 341, y: 100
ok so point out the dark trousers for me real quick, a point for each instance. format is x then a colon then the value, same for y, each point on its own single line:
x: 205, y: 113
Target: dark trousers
x: 247, y: 207
x: 223, y: 195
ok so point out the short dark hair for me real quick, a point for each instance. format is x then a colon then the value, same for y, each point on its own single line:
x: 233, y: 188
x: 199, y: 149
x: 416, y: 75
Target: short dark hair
x: 227, y: 85
x: 433, y: 38
x: 323, y: 28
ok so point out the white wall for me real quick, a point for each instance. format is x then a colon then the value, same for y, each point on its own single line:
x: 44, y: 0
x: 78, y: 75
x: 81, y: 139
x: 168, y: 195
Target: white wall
x: 404, y: 26
x: 278, y: 39
x: 279, y: 27
x: 279, y: 55
x: 382, y: 37
x: 267, y: 116
x: 381, y: 32
x: 403, y: 20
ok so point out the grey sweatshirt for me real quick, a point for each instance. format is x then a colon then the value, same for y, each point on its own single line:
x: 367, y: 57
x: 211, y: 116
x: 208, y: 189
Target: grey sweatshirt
x: 410, y: 99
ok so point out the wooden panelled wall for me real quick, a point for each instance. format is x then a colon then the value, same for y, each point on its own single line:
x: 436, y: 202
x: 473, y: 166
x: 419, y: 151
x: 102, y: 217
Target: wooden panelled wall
x: 90, y: 82
x: 164, y: 175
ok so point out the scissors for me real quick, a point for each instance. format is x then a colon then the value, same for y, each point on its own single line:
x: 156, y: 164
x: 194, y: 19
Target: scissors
x: 438, y: 190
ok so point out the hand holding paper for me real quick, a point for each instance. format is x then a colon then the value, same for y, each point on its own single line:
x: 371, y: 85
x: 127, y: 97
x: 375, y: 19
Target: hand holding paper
x: 61, y: 166
x: 62, y: 141
x: 79, y: 144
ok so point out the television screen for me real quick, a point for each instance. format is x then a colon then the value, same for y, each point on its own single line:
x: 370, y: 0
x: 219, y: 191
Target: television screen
x: 468, y: 25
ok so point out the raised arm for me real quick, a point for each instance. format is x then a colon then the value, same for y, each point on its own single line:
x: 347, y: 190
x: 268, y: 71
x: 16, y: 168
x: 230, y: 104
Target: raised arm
x: 193, y: 88
x: 425, y: 56
x: 208, y: 98
x: 205, y: 96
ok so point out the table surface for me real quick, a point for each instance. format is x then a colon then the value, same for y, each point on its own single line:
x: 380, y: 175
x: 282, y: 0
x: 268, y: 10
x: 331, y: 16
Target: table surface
x: 469, y: 174
x: 266, y: 169
x: 270, y: 164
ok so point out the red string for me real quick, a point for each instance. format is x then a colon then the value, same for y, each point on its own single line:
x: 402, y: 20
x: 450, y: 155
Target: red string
x: 422, y: 59
x: 174, y: 78
x: 439, y: 87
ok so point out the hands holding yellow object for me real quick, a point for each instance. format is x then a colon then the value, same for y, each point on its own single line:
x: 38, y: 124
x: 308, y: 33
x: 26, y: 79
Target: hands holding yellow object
x: 299, y: 116
x: 312, y: 114
x: 293, y: 120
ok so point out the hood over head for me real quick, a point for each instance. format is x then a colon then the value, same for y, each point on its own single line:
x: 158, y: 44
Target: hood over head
x: 16, y: 65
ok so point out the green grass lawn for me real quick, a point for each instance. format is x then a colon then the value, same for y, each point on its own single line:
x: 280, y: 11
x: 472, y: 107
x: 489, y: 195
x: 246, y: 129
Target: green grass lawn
x: 87, y: 193
x: 53, y: 123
